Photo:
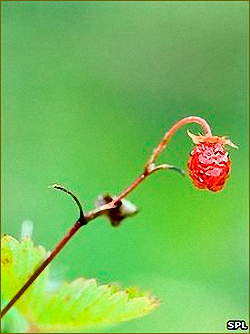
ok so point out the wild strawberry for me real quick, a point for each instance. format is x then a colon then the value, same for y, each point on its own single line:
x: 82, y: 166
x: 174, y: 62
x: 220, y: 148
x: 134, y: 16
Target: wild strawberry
x: 209, y: 163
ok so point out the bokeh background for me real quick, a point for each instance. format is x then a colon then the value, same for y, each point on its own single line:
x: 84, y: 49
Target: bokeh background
x: 88, y: 90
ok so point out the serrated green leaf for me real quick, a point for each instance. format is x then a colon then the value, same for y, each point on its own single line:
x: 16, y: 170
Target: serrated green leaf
x: 18, y: 261
x: 75, y: 306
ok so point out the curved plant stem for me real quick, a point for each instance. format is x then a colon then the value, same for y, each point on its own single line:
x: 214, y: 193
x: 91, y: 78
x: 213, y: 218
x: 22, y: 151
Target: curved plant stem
x: 85, y: 218
x: 175, y: 127
x: 150, y: 167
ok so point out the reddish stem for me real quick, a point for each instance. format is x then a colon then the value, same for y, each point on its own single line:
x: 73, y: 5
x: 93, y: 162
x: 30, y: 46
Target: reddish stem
x: 84, y: 219
x: 129, y: 189
x: 176, y: 126
x: 159, y: 149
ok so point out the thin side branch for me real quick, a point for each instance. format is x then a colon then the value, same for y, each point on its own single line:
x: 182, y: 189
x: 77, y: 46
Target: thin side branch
x: 58, y: 187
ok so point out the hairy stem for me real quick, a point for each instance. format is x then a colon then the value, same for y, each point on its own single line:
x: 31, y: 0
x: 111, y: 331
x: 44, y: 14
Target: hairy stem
x: 175, y: 127
x: 85, y: 218
x: 148, y: 169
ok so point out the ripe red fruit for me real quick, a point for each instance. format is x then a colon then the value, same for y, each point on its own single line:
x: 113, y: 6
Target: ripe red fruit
x: 209, y: 163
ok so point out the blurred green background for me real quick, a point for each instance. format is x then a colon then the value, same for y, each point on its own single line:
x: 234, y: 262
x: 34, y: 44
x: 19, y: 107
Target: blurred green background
x: 88, y: 90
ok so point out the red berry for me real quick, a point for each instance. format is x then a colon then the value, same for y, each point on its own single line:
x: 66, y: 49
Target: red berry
x: 209, y: 164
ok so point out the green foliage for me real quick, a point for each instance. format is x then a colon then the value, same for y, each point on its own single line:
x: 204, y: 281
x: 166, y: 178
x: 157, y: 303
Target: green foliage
x: 75, y: 306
